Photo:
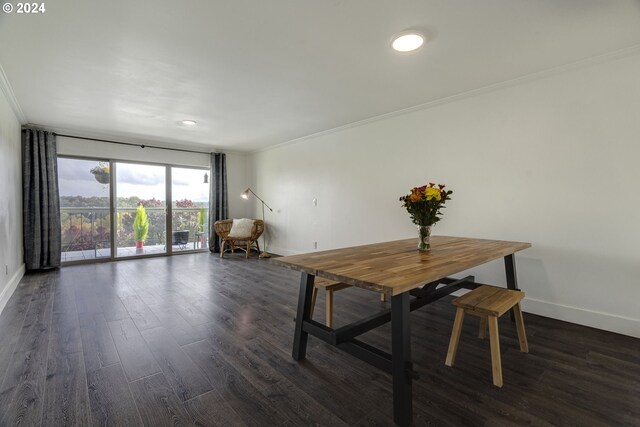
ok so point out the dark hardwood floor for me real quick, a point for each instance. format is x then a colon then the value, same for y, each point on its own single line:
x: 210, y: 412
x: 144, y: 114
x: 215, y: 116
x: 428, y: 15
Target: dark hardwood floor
x: 196, y: 340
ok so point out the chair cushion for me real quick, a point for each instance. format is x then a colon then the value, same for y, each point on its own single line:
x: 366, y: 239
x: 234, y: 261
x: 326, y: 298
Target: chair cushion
x: 241, y: 228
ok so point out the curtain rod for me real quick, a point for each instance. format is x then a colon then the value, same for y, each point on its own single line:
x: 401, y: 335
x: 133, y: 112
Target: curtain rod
x: 132, y: 144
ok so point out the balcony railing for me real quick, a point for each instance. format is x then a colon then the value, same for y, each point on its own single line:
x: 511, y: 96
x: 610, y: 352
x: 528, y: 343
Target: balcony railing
x: 89, y: 229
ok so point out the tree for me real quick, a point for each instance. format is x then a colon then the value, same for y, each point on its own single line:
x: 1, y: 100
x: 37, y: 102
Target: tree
x: 141, y: 224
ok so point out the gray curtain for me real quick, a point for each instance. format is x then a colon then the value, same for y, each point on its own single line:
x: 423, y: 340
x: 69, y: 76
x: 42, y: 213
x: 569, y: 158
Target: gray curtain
x: 218, y: 207
x: 41, y: 203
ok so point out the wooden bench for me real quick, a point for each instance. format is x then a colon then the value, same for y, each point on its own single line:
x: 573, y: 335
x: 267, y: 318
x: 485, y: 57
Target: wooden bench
x: 489, y: 303
x: 329, y: 287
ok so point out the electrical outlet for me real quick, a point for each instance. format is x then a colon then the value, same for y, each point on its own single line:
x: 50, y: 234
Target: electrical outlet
x: 315, y: 202
x: 315, y: 245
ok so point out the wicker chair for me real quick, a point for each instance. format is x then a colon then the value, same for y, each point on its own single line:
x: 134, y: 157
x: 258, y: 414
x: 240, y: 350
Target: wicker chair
x: 230, y: 244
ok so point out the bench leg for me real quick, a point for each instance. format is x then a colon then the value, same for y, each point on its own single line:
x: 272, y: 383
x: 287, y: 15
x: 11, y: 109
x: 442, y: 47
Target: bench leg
x: 455, y: 337
x: 329, y: 308
x: 522, y: 335
x: 494, y: 339
x: 482, y: 333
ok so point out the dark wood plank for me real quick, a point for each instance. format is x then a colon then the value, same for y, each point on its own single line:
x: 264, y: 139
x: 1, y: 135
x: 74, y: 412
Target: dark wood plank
x: 142, y: 315
x: 113, y: 308
x: 186, y: 379
x: 210, y: 409
x: 619, y: 407
x: 326, y: 387
x: 65, y: 333
x: 66, y: 401
x: 64, y: 297
x: 376, y: 419
x: 606, y: 366
x: 5, y: 401
x: 98, y: 347
x: 247, y: 401
x: 301, y: 408
x: 29, y: 358
x: 110, y: 398
x: 136, y: 358
x: 176, y: 325
x: 87, y: 299
x: 157, y: 403
x: 190, y: 313
x: 12, y: 320
x: 25, y: 406
x: 464, y: 397
x: 253, y: 368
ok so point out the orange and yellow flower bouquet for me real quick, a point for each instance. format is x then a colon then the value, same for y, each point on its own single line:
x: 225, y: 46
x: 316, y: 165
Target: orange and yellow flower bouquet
x: 424, y: 205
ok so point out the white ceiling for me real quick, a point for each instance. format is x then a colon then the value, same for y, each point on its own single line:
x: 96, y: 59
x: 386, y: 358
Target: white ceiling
x: 254, y: 73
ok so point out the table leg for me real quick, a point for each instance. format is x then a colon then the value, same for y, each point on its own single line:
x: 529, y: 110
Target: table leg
x: 512, y: 279
x: 401, y: 360
x: 304, y: 313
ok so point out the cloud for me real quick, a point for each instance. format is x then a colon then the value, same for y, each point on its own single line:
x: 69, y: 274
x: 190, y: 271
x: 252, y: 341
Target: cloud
x: 187, y: 177
x: 84, y: 188
x: 181, y: 181
x: 140, y: 174
x: 75, y: 170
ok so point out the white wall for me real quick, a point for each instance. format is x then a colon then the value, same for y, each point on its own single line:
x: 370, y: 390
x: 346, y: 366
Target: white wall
x: 552, y: 161
x: 237, y: 179
x: 237, y: 182
x: 11, y: 248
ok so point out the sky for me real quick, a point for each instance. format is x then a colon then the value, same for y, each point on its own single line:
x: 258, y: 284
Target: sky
x: 144, y: 181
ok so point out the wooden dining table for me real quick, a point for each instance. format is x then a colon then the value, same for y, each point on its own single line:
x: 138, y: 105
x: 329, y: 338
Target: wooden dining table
x: 410, y: 278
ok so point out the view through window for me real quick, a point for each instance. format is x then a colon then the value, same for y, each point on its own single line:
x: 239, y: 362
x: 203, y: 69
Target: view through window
x: 84, y: 209
x: 190, y: 208
x: 141, y: 209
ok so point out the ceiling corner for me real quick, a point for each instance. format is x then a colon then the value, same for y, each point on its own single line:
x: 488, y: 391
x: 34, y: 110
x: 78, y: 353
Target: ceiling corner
x: 11, y: 97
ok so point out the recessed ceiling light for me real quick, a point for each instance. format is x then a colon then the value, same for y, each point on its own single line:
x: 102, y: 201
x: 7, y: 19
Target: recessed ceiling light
x: 188, y: 122
x: 407, y: 41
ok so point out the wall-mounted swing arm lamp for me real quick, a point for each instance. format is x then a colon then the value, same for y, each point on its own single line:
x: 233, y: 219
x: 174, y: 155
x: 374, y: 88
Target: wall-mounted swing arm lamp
x: 245, y: 195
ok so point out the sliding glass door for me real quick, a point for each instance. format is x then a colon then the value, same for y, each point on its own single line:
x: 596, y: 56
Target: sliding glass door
x: 141, y: 213
x: 190, y: 207
x: 144, y: 222
x: 85, y: 200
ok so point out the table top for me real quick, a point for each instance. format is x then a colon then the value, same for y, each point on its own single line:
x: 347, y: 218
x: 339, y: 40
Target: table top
x: 396, y: 267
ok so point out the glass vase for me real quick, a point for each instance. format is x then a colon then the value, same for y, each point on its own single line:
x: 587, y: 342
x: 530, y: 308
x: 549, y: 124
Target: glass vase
x: 424, y: 238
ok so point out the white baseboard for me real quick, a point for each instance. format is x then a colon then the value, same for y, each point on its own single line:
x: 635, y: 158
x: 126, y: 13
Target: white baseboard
x: 595, y: 319
x: 11, y: 287
x: 280, y: 251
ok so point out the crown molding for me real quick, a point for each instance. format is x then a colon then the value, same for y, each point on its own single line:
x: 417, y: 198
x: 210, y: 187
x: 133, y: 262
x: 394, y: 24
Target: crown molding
x: 583, y: 63
x: 11, y: 97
